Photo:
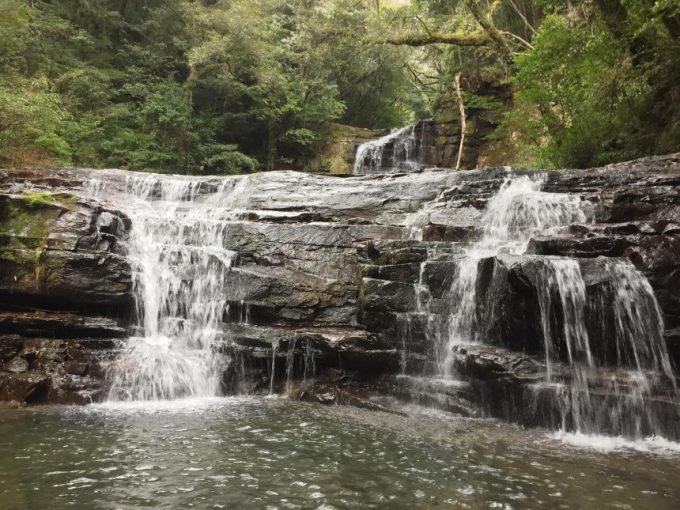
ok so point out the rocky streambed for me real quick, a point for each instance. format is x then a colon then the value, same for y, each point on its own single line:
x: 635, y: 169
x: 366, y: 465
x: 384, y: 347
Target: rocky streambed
x: 334, y: 284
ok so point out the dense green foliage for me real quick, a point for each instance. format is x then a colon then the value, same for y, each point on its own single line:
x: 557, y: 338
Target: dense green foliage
x: 599, y: 86
x: 593, y: 81
x: 178, y: 85
x: 225, y: 86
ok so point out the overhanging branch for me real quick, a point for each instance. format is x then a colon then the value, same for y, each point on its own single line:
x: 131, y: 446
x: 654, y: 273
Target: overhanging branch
x: 487, y: 33
x: 485, y: 19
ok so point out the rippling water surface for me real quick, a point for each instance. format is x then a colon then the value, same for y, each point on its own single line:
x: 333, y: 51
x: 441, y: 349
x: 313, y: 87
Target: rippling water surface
x: 273, y: 453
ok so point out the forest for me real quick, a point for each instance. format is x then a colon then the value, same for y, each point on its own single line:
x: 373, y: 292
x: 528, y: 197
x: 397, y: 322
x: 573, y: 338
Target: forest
x: 237, y: 86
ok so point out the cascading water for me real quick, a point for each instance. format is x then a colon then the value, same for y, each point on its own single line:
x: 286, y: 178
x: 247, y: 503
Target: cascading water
x: 518, y: 212
x: 608, y: 387
x: 396, y: 152
x: 605, y: 388
x: 176, y: 249
x: 564, y: 277
x: 298, y: 359
x: 599, y: 381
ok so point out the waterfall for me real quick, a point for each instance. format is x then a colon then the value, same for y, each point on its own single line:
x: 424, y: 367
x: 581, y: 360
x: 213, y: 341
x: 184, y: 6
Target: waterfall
x: 515, y: 214
x: 564, y: 277
x: 607, y: 368
x: 596, y: 332
x: 605, y: 391
x: 637, y: 318
x: 299, y: 359
x: 398, y: 151
x: 179, y: 267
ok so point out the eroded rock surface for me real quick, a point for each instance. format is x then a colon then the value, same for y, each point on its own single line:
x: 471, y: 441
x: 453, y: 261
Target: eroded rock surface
x: 326, y: 270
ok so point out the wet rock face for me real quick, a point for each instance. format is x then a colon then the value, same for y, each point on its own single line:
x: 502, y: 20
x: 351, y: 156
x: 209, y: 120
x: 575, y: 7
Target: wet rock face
x: 65, y: 289
x: 511, y: 385
x: 328, y: 269
x: 60, y: 251
x: 514, y: 308
x: 635, y: 208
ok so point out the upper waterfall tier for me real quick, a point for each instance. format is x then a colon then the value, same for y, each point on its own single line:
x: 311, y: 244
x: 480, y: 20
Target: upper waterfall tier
x: 403, y: 150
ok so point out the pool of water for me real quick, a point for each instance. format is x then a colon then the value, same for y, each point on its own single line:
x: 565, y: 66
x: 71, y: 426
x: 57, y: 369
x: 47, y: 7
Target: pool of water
x: 274, y: 453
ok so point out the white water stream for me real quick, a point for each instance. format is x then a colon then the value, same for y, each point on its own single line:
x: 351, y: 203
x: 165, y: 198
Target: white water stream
x: 374, y: 156
x: 180, y: 265
x: 601, y: 392
x: 176, y: 248
x: 515, y: 214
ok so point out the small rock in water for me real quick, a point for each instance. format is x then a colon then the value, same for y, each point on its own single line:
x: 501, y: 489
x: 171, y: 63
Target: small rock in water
x: 326, y: 398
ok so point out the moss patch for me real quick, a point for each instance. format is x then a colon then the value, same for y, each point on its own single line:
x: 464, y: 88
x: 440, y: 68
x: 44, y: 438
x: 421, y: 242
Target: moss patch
x: 37, y: 200
x: 336, y: 154
x: 25, y: 223
x: 19, y: 220
x: 16, y: 267
x: 31, y: 215
x: 66, y: 200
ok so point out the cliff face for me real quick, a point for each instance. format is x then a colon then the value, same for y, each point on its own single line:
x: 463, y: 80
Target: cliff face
x: 328, y: 266
x: 336, y: 153
x: 436, y: 142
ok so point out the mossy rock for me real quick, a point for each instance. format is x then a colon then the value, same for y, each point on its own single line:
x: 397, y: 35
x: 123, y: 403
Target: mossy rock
x: 25, y: 223
x: 31, y: 215
x: 336, y: 154
x: 17, y: 268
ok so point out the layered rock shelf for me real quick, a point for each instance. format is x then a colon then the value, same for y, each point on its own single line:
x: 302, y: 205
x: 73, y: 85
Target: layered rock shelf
x: 327, y: 279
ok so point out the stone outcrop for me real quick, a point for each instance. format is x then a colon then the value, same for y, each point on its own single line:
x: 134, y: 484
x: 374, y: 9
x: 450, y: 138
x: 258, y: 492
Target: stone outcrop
x: 511, y: 385
x: 65, y: 290
x: 435, y: 142
x: 338, y: 148
x: 327, y: 280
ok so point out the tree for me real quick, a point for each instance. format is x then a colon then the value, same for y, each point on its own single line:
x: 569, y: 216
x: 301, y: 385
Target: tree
x: 599, y: 86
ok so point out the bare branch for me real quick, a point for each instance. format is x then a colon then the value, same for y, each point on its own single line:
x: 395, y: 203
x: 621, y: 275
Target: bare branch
x: 480, y: 37
x: 461, y: 107
x: 416, y: 78
x: 429, y: 32
x: 520, y: 39
x: 523, y: 17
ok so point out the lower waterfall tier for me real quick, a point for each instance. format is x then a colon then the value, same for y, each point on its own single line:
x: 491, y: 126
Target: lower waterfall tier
x: 349, y: 289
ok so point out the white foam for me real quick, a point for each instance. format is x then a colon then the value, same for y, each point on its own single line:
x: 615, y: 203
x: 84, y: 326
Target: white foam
x: 447, y: 382
x: 656, y: 445
x: 155, y: 406
x: 179, y: 265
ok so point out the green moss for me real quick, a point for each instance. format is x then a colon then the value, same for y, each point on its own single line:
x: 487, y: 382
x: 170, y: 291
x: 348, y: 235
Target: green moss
x: 31, y: 215
x: 51, y: 270
x: 25, y: 222
x: 336, y: 152
x: 16, y: 257
x: 36, y: 200
x: 16, y: 264
x: 31, y: 267
x: 67, y: 201
x: 16, y: 221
